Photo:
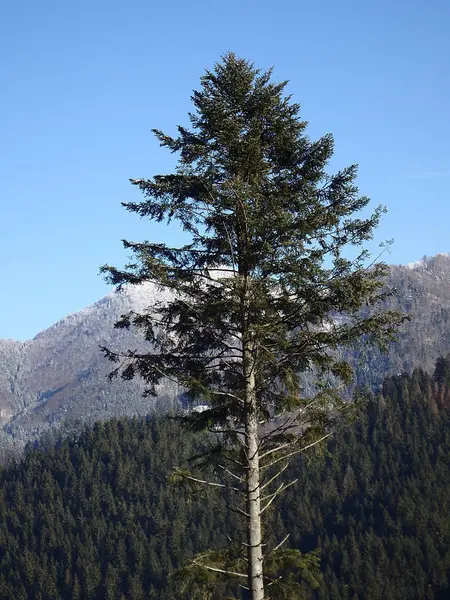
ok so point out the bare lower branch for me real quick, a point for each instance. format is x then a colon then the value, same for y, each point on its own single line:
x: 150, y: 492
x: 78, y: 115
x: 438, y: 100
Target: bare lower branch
x: 274, y: 581
x: 228, y: 472
x: 228, y: 395
x: 234, y: 461
x: 280, y: 472
x: 278, y: 449
x: 280, y: 487
x: 272, y: 497
x: 278, y: 546
x: 238, y: 510
x: 204, y: 482
x: 295, y: 452
x: 217, y: 570
x: 230, y: 539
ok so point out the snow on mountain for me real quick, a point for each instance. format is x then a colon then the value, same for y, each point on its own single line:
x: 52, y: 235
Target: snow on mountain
x: 61, y: 374
x: 416, y: 264
x: 426, y: 261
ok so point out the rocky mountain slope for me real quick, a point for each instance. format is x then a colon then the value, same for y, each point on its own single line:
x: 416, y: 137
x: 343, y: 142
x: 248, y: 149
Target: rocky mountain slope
x: 61, y: 375
x: 423, y: 293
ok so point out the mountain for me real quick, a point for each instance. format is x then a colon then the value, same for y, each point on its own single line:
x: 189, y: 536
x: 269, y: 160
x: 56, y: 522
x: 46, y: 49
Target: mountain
x: 423, y: 292
x: 61, y: 375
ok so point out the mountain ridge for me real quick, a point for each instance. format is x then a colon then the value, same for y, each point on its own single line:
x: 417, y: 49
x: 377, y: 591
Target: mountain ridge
x: 61, y: 375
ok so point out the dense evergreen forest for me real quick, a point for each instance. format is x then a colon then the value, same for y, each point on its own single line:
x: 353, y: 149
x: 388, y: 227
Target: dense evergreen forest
x: 97, y: 517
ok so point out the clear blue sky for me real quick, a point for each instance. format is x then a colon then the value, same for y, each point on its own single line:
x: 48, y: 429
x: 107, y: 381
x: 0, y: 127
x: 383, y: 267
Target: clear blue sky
x: 84, y: 82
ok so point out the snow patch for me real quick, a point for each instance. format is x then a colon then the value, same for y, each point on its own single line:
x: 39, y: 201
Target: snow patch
x: 416, y: 264
x: 423, y: 262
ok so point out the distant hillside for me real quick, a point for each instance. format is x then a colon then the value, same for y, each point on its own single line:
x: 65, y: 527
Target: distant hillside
x: 423, y: 293
x: 62, y: 375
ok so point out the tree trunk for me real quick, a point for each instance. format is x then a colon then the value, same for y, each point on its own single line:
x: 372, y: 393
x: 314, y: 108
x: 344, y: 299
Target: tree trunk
x: 253, y: 492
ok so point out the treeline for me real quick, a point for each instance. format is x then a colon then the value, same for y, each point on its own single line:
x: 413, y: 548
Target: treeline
x: 97, y: 517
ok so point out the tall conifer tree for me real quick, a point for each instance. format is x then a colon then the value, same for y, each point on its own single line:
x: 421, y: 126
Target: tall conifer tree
x: 264, y: 291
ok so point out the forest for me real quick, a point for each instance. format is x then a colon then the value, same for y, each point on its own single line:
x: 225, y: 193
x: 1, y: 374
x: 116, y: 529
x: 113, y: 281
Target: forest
x: 97, y: 515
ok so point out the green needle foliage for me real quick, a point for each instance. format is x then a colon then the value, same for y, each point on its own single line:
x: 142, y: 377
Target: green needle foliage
x: 264, y: 292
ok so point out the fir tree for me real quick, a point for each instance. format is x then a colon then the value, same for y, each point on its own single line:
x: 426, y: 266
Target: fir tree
x: 264, y: 291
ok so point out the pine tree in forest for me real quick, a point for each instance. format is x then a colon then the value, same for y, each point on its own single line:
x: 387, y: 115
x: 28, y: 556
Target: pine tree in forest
x: 264, y: 293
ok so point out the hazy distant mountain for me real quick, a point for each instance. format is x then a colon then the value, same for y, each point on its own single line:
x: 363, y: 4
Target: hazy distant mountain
x: 423, y: 293
x: 61, y: 374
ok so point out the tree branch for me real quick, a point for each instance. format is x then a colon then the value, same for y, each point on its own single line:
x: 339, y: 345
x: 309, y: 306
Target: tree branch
x: 272, y: 479
x: 278, y: 546
x: 217, y: 570
x: 228, y: 472
x: 204, y: 482
x: 283, y: 487
x: 299, y: 451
